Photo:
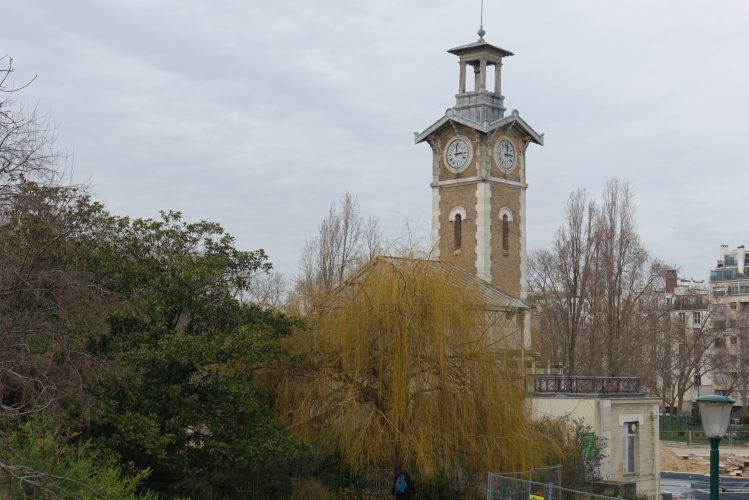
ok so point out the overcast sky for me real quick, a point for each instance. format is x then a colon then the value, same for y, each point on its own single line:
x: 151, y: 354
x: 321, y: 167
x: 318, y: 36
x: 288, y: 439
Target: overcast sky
x: 259, y: 114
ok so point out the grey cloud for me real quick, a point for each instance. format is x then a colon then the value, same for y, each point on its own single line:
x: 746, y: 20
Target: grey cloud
x: 260, y: 114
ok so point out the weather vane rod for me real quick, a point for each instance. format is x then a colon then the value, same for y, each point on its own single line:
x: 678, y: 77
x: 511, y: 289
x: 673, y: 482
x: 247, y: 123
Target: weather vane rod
x: 481, y: 31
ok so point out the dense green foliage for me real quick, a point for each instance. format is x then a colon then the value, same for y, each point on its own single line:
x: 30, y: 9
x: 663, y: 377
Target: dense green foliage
x: 184, y: 401
x: 40, y: 460
x: 133, y: 333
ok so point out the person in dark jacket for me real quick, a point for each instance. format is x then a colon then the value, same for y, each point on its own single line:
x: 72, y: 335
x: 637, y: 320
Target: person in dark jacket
x: 403, y: 486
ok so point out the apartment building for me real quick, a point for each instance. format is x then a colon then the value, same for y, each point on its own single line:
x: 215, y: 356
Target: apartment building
x: 729, y: 295
x: 685, y: 342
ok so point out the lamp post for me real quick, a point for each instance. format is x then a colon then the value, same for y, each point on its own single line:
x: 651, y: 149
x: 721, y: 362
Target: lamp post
x: 715, y: 412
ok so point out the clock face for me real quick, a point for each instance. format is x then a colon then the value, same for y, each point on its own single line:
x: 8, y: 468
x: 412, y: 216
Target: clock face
x: 505, y: 155
x: 457, y: 154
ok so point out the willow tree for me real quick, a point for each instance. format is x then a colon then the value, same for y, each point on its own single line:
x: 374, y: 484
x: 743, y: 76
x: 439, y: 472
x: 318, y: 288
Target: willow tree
x: 407, y: 367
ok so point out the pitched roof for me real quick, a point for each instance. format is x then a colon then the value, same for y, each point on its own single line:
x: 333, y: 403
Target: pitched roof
x: 470, y: 47
x: 485, y: 127
x: 490, y: 296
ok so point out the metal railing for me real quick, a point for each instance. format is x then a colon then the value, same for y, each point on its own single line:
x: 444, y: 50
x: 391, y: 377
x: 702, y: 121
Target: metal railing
x: 376, y: 481
x: 734, y: 441
x: 548, y: 384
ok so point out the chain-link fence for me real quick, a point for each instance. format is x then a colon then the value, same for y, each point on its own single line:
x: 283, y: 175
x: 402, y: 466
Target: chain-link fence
x: 504, y: 487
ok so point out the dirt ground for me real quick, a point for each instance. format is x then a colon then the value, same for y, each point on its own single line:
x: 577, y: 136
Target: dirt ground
x: 697, y: 460
x: 671, y: 462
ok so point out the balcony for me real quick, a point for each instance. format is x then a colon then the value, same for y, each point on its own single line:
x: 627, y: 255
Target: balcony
x: 723, y: 274
x: 547, y: 384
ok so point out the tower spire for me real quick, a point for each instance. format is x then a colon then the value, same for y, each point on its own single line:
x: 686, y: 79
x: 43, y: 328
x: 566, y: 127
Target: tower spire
x: 481, y: 31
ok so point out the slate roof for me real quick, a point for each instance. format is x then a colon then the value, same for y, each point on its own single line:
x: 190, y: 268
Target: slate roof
x: 485, y: 127
x: 492, y: 297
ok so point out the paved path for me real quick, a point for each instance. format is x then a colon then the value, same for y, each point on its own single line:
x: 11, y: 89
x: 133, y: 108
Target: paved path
x: 733, y: 488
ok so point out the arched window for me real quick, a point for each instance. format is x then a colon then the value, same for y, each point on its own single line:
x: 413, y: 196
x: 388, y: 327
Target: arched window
x: 457, y: 216
x: 505, y: 233
x: 505, y: 215
x: 458, y: 229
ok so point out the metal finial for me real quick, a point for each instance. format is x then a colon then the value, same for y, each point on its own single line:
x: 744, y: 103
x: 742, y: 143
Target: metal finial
x: 481, y: 31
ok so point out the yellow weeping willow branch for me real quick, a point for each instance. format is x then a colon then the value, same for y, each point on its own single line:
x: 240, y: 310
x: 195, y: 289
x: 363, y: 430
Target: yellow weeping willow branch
x: 406, y: 368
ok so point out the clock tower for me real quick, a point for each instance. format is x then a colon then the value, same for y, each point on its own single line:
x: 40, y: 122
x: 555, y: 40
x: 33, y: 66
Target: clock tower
x: 478, y: 174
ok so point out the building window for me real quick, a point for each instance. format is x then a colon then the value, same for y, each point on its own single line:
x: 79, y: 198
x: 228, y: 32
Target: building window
x: 697, y: 380
x: 505, y: 233
x: 682, y: 317
x: 722, y: 274
x: 457, y: 216
x: 669, y: 301
x: 722, y: 392
x: 630, y: 442
x: 719, y: 343
x: 458, y: 229
x: 696, y: 317
x: 505, y: 217
x: 734, y: 340
x: 733, y: 305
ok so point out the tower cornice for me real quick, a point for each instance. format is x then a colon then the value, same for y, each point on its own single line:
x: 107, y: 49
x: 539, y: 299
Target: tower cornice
x: 485, y: 127
x: 474, y: 179
x: 472, y: 48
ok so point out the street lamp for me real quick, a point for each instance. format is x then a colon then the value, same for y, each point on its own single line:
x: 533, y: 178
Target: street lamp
x: 715, y: 412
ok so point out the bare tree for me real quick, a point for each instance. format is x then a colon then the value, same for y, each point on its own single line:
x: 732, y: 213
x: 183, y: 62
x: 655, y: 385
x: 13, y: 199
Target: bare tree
x: 344, y: 242
x: 562, y: 277
x: 26, y: 151
x: 625, y: 276
x: 269, y: 290
x: 49, y: 303
x: 37, y: 278
x: 591, y: 288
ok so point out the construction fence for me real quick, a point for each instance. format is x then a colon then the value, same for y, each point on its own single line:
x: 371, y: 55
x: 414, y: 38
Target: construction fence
x: 511, y: 487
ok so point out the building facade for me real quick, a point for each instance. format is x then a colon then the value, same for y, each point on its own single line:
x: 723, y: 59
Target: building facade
x: 729, y: 317
x: 684, y: 343
x: 712, y: 321
x: 625, y: 419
